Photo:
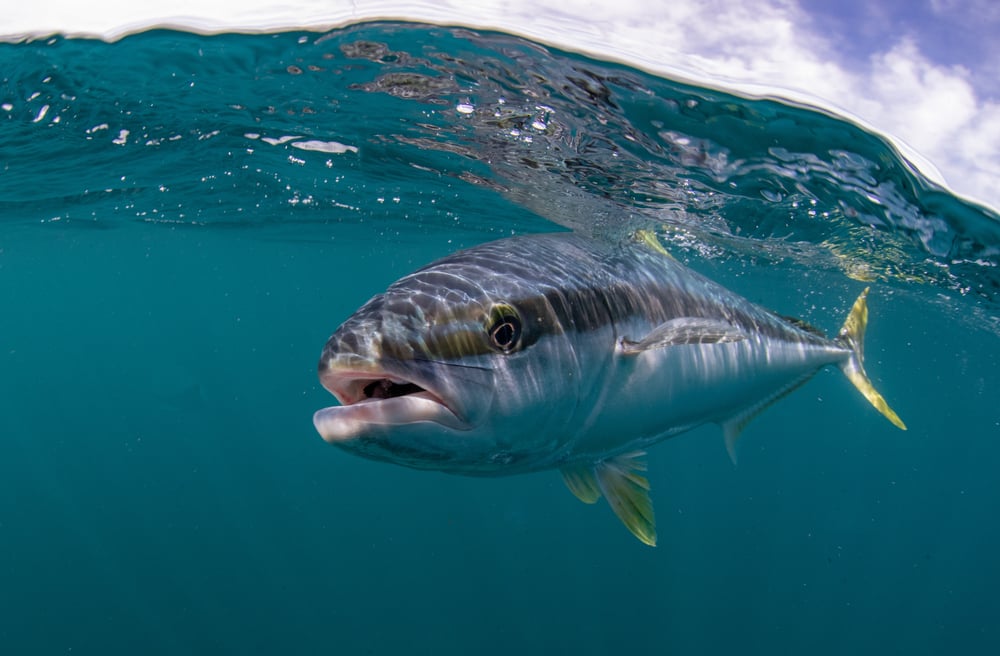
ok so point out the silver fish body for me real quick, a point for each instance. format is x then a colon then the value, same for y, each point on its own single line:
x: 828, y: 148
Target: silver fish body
x: 559, y: 351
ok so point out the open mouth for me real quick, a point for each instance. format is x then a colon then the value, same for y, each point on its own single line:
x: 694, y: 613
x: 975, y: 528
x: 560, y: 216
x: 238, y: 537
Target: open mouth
x: 386, y: 388
x: 352, y: 387
x: 375, y: 405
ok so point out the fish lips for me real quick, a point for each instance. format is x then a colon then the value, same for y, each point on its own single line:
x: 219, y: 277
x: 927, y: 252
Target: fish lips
x: 375, y: 402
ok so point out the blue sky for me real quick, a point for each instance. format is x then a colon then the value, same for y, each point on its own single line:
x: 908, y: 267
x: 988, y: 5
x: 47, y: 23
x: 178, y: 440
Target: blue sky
x: 924, y: 72
x: 949, y: 32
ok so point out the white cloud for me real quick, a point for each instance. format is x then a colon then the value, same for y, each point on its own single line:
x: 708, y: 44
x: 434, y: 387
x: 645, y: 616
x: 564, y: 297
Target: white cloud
x: 765, y: 46
x: 937, y: 111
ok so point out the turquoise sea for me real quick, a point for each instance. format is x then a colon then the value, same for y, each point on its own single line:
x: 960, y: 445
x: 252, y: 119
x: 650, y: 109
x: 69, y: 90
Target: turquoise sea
x: 184, y: 219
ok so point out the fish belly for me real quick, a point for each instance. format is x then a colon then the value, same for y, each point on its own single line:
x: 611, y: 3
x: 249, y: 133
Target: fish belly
x: 663, y: 392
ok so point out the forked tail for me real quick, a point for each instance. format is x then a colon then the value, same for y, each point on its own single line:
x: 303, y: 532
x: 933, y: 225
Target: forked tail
x: 852, y: 335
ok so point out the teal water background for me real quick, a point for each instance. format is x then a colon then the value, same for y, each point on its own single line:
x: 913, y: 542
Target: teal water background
x: 171, y: 264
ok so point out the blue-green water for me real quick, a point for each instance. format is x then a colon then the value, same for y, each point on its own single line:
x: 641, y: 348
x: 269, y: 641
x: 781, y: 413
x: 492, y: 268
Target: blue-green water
x: 172, y: 260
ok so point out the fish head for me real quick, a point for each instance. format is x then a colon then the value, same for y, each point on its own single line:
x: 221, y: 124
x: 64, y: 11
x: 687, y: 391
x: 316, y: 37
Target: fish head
x: 458, y: 367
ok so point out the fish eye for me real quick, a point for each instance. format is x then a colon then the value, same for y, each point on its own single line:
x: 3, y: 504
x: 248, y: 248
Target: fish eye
x: 504, y: 328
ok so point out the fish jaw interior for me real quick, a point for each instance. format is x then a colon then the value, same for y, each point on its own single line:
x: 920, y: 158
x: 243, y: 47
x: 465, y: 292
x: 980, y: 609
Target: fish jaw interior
x: 371, y: 402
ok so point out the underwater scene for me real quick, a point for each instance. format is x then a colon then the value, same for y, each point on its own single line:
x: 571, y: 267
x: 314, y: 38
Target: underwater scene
x: 186, y: 219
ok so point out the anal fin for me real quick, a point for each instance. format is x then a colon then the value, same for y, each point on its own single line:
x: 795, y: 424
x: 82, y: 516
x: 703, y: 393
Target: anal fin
x: 733, y: 427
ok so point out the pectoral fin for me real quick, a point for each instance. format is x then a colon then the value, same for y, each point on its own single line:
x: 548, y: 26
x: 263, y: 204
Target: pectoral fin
x: 684, y: 331
x: 582, y: 483
x: 626, y: 490
x: 628, y: 494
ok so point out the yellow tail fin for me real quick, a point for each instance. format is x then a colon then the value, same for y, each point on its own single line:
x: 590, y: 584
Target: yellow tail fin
x: 852, y: 335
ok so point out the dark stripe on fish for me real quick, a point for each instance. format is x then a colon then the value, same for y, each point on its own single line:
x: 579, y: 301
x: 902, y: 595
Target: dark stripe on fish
x: 587, y: 290
x: 573, y: 287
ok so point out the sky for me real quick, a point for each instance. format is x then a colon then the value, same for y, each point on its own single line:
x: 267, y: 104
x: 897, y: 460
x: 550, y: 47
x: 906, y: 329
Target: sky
x: 924, y: 72
x: 951, y: 33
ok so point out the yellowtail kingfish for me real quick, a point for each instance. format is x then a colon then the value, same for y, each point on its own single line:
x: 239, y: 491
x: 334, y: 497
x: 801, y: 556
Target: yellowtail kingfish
x: 563, y: 352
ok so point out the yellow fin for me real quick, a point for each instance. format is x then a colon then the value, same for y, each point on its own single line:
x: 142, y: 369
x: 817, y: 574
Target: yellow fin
x: 648, y: 237
x: 581, y: 482
x: 852, y: 335
x: 628, y: 493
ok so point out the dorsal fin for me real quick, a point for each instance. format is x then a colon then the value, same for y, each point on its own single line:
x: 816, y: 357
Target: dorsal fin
x: 648, y: 237
x: 801, y: 324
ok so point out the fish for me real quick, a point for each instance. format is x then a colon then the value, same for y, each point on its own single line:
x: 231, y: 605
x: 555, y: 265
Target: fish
x: 565, y: 352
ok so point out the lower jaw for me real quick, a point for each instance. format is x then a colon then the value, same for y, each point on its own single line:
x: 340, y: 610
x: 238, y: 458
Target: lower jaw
x: 347, y: 422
